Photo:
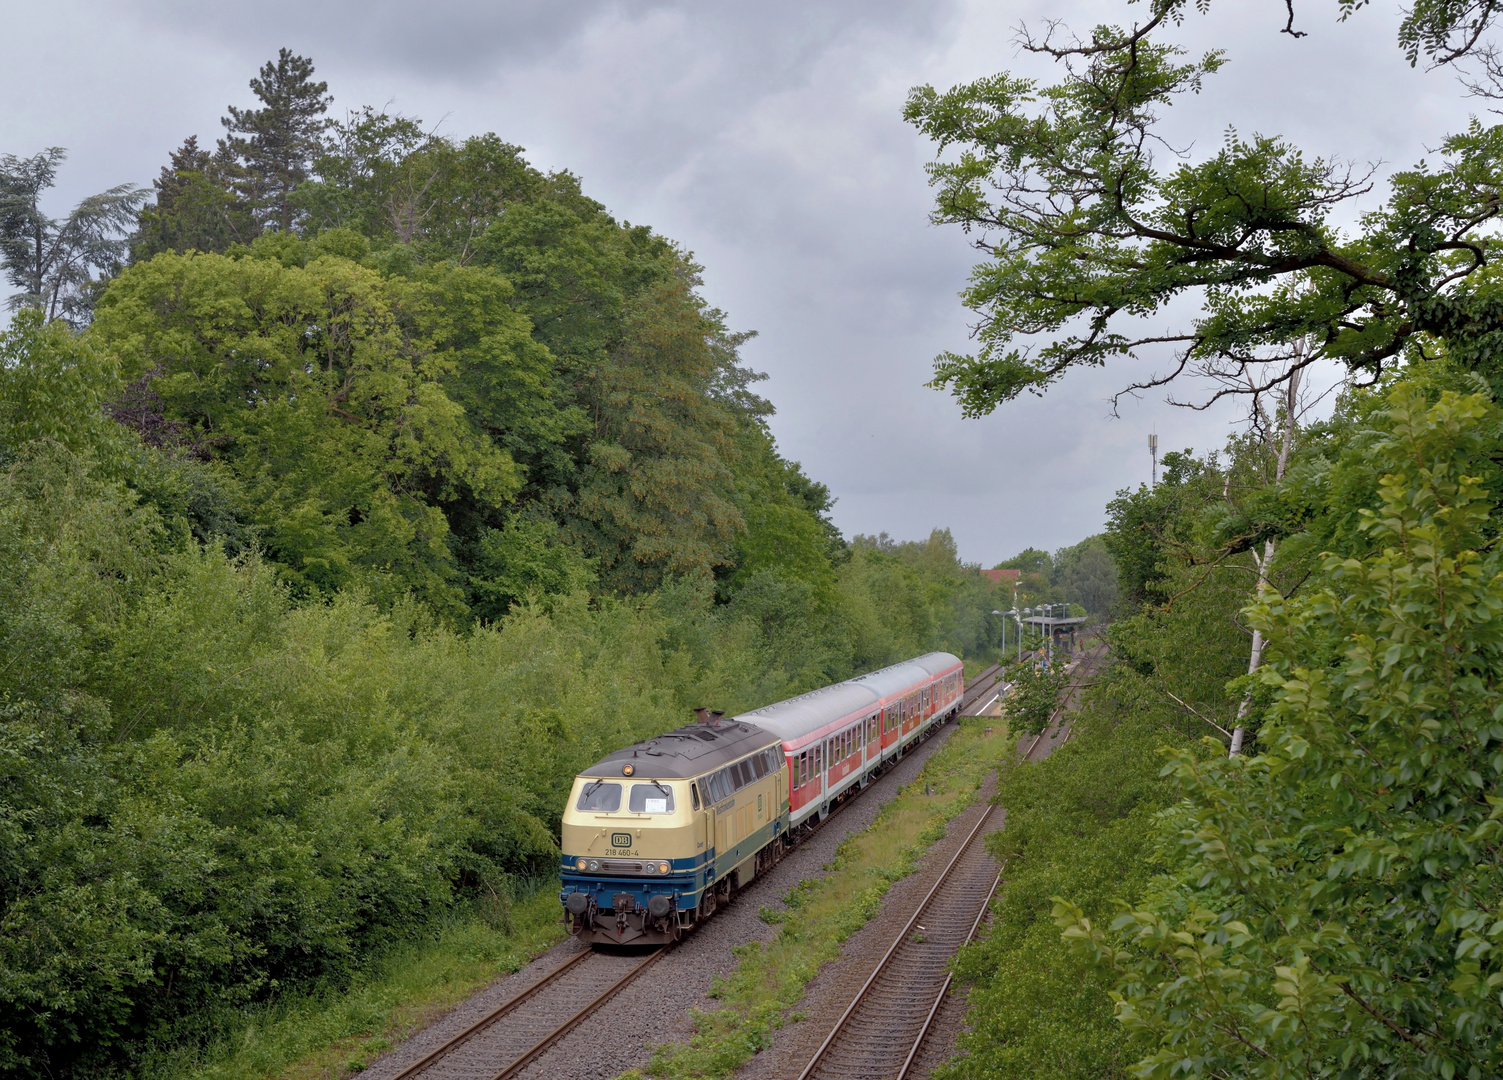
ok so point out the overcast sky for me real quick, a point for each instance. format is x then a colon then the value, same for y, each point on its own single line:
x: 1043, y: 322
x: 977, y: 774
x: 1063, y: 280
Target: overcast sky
x: 766, y: 137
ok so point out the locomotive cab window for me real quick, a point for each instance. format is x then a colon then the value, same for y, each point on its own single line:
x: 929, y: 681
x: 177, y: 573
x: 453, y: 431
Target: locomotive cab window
x: 694, y: 794
x: 600, y: 797
x: 649, y: 799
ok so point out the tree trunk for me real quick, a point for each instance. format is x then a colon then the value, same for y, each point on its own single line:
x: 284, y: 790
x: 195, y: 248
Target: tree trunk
x: 1255, y: 655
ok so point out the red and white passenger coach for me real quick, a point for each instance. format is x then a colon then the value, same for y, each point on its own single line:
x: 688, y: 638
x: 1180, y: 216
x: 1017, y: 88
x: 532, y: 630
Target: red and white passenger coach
x: 836, y: 738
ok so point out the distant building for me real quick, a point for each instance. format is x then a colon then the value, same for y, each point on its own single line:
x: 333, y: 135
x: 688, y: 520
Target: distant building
x: 999, y: 576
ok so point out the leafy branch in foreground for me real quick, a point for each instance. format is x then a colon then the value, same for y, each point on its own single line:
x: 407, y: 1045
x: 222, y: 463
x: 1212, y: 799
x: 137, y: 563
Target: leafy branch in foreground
x: 1093, y: 224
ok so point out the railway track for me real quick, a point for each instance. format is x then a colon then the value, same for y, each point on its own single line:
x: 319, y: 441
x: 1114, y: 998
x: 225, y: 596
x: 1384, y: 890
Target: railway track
x: 536, y: 1018
x: 881, y: 1031
x: 511, y: 1036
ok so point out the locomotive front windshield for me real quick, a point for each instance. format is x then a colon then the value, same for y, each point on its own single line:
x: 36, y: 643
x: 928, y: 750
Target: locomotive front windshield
x: 650, y: 799
x: 601, y: 796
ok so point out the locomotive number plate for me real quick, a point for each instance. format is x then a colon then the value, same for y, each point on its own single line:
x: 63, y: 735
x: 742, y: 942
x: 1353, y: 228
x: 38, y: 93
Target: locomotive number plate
x: 621, y: 839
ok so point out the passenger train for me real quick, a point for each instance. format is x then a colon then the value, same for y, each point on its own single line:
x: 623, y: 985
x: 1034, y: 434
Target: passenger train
x: 657, y: 835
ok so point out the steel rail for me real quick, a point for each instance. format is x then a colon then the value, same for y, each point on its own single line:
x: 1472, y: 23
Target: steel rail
x: 491, y: 1017
x: 574, y: 1021
x: 943, y: 990
x: 892, y: 950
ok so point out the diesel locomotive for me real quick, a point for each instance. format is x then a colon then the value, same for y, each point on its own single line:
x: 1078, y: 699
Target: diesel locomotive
x: 658, y: 834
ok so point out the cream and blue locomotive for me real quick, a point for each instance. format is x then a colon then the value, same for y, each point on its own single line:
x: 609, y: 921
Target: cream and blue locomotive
x: 657, y: 835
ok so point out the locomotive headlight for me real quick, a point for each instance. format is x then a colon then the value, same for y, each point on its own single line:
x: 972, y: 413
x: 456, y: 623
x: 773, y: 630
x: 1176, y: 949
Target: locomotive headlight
x: 594, y: 865
x: 581, y: 864
x: 650, y: 867
x: 662, y: 868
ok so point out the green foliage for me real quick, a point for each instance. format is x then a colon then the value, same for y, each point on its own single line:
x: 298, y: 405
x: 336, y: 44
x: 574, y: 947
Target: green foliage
x: 196, y: 208
x: 1332, y: 902
x: 1144, y: 526
x: 1087, y: 574
x: 1091, y: 231
x: 331, y: 415
x: 53, y: 387
x: 1034, y: 696
x: 899, y: 598
x: 1079, y: 822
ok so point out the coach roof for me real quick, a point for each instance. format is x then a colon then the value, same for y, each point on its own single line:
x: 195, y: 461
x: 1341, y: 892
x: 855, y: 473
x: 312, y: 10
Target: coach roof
x: 686, y: 752
x: 799, y: 717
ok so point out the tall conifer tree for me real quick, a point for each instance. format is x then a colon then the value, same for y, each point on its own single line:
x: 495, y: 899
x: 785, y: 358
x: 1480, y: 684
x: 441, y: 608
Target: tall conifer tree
x: 276, y: 144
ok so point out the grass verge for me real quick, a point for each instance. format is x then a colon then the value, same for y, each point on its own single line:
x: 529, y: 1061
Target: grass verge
x: 326, y: 1036
x: 759, y: 996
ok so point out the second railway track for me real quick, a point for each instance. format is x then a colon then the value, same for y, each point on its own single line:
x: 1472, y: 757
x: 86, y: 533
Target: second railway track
x: 881, y: 1031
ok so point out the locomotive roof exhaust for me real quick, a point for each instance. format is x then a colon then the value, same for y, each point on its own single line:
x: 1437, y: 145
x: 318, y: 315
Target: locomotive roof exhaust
x: 710, y: 717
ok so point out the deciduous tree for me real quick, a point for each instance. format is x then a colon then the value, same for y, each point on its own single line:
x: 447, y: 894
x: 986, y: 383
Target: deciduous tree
x: 1092, y: 224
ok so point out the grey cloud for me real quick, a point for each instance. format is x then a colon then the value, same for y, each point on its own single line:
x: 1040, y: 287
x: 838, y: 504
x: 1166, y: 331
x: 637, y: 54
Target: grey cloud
x: 463, y: 40
x: 767, y: 138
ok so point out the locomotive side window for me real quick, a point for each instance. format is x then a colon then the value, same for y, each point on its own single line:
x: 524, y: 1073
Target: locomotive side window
x: 650, y: 799
x: 694, y: 794
x: 600, y: 797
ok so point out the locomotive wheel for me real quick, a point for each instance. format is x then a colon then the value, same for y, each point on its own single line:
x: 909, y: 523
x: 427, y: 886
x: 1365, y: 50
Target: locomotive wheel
x: 707, y: 902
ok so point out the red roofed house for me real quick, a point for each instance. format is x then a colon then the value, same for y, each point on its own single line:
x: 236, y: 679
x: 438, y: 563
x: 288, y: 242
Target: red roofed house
x: 999, y: 576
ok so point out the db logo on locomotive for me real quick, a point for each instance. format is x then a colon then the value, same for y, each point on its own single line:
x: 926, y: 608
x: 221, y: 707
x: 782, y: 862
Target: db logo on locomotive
x: 621, y: 839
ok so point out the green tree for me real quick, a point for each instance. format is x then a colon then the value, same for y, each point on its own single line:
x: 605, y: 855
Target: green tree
x: 274, y: 146
x: 389, y: 179
x: 1091, y: 227
x: 53, y: 388
x: 53, y: 263
x: 333, y: 421
x: 1333, y: 903
x: 195, y: 208
x: 1087, y: 574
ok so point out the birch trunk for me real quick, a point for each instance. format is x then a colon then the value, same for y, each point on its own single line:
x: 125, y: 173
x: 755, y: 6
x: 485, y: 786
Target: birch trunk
x: 1255, y: 654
